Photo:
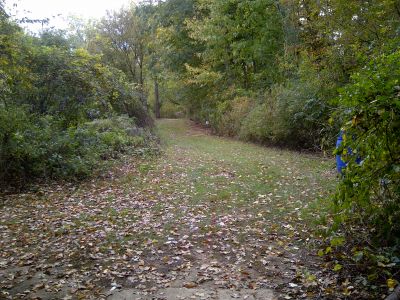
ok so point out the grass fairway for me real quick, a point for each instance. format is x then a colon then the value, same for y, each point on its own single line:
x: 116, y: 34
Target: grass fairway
x: 236, y: 175
x: 210, y: 213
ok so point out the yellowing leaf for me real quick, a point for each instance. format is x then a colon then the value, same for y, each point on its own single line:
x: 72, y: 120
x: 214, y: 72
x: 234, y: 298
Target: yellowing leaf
x: 391, y: 283
x: 337, y: 267
x: 337, y: 241
x: 311, y: 278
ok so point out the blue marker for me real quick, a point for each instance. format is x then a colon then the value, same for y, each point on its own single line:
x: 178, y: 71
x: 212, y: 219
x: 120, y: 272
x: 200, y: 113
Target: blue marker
x: 340, y: 164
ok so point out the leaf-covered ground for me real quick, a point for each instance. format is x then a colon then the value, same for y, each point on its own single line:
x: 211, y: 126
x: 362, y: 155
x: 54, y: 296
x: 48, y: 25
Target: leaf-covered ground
x: 208, y: 213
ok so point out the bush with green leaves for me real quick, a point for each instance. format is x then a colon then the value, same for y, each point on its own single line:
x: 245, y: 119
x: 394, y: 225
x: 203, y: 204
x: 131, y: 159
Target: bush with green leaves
x: 171, y: 110
x: 62, y: 111
x: 75, y: 86
x: 290, y: 115
x: 257, y: 126
x: 38, y: 147
x: 50, y: 77
x: 228, y: 115
x: 369, y: 192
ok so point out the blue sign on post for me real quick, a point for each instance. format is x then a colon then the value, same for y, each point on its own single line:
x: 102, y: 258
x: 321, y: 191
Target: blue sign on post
x: 340, y: 164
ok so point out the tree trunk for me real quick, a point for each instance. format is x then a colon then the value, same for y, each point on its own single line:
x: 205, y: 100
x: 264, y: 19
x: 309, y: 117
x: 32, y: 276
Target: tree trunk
x: 141, y: 81
x: 157, y: 104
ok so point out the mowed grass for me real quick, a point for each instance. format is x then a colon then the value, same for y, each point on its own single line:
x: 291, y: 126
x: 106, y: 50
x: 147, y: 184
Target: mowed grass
x: 273, y: 183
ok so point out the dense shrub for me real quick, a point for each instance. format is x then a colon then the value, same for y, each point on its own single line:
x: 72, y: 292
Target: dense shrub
x: 297, y: 113
x: 38, y: 147
x: 370, y: 191
x: 62, y: 111
x: 76, y: 86
x: 228, y: 115
x: 292, y: 115
x: 257, y: 125
x: 170, y: 110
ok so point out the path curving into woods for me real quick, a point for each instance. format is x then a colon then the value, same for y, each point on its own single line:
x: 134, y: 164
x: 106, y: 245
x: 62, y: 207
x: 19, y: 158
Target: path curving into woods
x: 211, y: 218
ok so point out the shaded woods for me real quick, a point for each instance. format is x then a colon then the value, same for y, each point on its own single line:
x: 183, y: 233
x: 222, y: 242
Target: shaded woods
x: 280, y: 73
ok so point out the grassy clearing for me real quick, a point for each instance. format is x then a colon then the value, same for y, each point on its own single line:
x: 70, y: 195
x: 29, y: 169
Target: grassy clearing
x: 224, y: 171
x: 226, y: 213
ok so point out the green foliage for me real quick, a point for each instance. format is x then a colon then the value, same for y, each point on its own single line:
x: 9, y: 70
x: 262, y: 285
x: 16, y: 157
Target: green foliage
x: 38, y: 147
x: 170, y: 110
x: 257, y: 125
x: 268, y: 71
x: 236, y: 49
x: 370, y: 191
x: 296, y: 54
x: 290, y: 115
x: 228, y: 115
x: 240, y: 38
x: 59, y: 108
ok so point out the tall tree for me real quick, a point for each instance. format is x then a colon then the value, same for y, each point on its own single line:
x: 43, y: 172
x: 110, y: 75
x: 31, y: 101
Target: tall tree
x: 121, y: 40
x: 242, y: 39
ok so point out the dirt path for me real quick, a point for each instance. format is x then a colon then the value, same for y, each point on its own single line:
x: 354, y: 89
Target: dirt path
x: 212, y: 218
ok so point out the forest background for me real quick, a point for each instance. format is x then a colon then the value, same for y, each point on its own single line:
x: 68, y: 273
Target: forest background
x: 276, y: 72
